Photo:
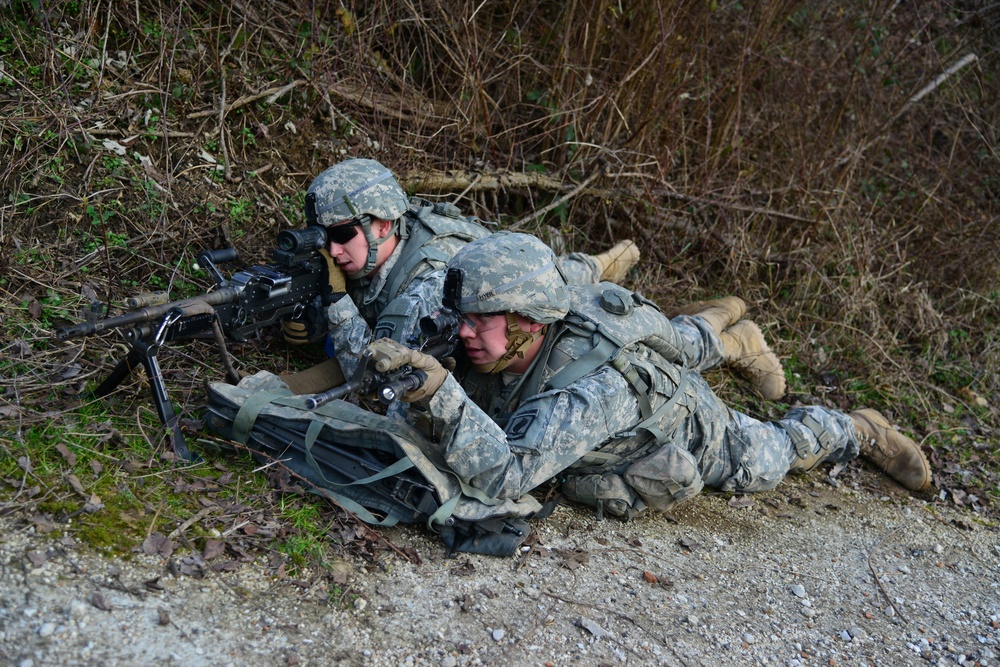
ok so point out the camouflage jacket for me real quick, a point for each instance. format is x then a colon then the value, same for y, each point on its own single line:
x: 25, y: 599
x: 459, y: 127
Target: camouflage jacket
x: 508, y: 435
x: 390, y: 303
x: 410, y: 285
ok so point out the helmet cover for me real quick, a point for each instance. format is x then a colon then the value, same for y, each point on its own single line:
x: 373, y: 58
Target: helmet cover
x: 508, y: 272
x: 351, y: 189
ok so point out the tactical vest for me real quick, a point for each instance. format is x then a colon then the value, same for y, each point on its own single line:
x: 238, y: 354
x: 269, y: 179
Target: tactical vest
x: 432, y: 234
x: 608, y: 325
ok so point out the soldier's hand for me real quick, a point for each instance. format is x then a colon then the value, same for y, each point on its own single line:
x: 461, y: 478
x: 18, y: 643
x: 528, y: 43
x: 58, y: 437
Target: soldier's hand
x: 389, y: 355
x: 335, y: 276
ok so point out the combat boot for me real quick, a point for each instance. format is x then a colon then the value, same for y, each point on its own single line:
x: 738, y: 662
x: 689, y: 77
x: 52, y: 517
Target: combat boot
x: 744, y: 348
x: 891, y: 451
x: 719, y: 313
x: 615, y: 263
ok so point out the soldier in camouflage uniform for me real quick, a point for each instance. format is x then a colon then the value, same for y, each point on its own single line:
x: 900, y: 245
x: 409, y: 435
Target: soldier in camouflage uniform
x: 388, y: 254
x: 586, y: 385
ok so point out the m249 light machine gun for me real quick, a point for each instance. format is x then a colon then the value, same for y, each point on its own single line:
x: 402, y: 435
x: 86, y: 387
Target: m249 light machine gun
x: 295, y: 285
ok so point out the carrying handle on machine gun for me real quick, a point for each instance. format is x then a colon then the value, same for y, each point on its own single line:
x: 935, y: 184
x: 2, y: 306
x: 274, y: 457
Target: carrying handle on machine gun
x: 207, y: 260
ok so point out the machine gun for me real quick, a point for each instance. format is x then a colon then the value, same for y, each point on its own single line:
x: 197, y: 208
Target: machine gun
x: 294, y: 285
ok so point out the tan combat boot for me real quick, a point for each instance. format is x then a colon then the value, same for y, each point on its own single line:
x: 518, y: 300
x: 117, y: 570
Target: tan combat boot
x: 719, y: 313
x: 745, y: 349
x: 615, y: 263
x: 891, y: 451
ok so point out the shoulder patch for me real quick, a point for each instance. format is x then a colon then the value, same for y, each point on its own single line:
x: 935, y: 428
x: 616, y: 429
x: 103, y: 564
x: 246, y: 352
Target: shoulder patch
x: 519, y: 424
x: 383, y: 330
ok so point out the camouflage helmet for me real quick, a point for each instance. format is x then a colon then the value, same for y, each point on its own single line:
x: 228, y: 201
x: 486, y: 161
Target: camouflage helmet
x: 358, y: 191
x: 351, y: 189
x: 507, y: 272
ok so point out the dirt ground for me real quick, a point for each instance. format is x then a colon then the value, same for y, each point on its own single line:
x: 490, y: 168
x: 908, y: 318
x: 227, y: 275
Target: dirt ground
x: 808, y: 574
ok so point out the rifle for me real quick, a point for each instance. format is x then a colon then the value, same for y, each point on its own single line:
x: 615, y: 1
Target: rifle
x: 439, y: 338
x: 294, y: 286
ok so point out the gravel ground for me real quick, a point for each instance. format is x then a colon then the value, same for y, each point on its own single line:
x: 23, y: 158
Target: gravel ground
x: 787, y: 580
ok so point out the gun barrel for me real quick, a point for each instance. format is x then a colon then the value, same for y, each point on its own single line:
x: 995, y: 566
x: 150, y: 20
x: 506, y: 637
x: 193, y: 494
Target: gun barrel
x: 324, y: 397
x: 215, y: 298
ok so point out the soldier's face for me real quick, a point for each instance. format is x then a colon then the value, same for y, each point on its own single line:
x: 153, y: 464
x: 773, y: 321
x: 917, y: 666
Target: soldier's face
x: 352, y: 254
x: 484, y: 337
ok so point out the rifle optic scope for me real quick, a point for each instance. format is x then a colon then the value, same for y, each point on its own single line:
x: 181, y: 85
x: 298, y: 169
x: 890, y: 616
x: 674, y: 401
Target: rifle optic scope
x: 300, y: 241
x: 439, y: 322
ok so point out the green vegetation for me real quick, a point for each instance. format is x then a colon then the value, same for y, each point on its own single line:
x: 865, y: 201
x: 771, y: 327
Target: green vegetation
x: 774, y: 152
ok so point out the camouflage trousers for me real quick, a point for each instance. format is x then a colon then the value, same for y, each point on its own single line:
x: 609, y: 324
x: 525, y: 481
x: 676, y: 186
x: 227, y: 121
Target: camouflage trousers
x: 753, y: 455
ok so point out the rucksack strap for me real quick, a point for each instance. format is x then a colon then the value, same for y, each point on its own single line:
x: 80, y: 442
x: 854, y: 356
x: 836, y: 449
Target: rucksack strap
x: 250, y: 411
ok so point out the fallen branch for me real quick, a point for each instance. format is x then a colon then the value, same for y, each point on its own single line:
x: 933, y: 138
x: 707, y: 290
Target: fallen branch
x: 964, y: 61
x: 271, y: 94
x: 879, y: 581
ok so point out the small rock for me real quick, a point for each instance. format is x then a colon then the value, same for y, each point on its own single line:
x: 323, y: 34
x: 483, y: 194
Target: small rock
x: 449, y: 661
x: 360, y: 604
x: 798, y: 590
x: 591, y: 627
x: 845, y: 635
x: 693, y: 620
x: 938, y: 549
x: 748, y: 638
x: 498, y: 634
x: 78, y: 609
x: 46, y: 629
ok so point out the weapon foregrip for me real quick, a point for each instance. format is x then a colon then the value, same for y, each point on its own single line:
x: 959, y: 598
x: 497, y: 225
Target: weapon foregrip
x: 82, y: 329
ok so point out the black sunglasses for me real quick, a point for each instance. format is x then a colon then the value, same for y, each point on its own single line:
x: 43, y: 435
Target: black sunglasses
x: 341, y: 234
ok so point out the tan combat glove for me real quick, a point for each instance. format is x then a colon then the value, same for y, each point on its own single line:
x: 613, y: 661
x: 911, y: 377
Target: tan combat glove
x: 389, y: 355
x: 302, y: 331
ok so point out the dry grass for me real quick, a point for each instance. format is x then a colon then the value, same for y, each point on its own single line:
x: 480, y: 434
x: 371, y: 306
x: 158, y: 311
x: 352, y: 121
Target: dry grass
x: 826, y: 161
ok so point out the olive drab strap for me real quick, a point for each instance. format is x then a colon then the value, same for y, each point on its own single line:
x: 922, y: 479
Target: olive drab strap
x: 370, y: 464
x: 423, y: 224
x: 248, y: 412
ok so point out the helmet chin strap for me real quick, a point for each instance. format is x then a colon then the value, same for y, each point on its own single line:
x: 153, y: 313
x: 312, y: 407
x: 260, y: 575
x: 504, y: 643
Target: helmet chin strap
x: 373, y: 244
x: 518, y: 342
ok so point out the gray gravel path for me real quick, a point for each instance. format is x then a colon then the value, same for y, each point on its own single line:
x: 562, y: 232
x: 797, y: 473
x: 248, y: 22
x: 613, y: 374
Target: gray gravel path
x: 789, y: 580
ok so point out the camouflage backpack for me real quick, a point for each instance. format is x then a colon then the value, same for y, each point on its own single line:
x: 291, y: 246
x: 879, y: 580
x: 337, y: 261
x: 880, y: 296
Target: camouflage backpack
x: 374, y: 466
